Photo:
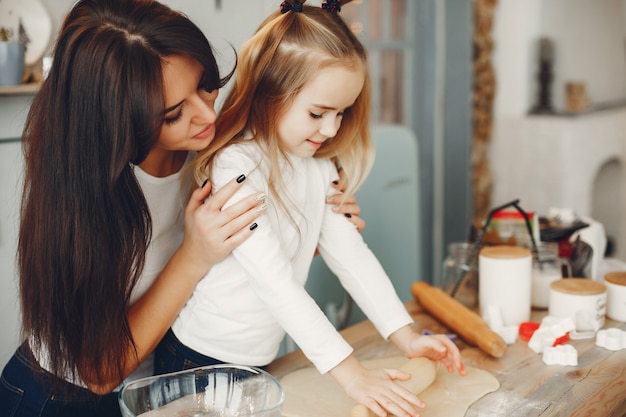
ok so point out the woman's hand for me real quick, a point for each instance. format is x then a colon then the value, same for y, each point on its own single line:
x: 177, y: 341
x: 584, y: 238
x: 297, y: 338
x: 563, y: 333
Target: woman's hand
x: 376, y: 389
x: 435, y: 347
x: 350, y: 208
x: 212, y: 233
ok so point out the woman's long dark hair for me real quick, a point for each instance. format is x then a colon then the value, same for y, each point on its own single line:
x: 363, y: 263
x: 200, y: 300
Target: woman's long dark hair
x: 85, y: 224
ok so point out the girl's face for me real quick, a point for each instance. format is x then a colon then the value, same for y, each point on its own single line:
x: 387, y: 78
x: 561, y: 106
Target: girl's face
x: 189, y: 114
x: 315, y: 113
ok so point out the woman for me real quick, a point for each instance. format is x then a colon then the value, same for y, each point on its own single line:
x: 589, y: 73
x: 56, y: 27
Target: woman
x: 108, y: 253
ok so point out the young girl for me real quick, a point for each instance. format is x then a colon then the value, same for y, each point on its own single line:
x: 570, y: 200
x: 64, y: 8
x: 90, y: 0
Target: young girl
x: 299, y: 104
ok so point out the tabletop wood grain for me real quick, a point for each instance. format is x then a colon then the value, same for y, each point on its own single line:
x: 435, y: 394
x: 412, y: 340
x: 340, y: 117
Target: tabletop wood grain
x: 528, y: 387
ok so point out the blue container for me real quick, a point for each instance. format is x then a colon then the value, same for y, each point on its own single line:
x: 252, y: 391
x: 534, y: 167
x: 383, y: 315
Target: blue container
x: 11, y: 63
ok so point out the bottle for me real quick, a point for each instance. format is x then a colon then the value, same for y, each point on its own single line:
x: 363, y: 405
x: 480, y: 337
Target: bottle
x: 459, y: 268
x: 547, y: 268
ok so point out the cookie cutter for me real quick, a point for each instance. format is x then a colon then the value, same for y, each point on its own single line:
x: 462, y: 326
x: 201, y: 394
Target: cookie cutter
x: 611, y: 339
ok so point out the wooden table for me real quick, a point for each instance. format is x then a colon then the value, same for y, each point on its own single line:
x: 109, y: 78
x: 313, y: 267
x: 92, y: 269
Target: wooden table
x: 528, y: 387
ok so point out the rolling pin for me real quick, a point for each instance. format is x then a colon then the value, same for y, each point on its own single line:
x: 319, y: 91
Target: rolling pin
x: 422, y: 372
x: 467, y: 324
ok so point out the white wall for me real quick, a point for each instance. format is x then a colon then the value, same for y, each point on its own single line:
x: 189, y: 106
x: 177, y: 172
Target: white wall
x: 218, y: 24
x: 588, y: 38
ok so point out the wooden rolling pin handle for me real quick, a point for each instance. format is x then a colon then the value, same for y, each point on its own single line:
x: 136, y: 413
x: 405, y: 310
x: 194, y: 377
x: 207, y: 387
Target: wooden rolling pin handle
x: 467, y: 324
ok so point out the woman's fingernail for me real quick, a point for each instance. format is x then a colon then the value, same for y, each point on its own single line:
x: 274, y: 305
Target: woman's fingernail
x: 241, y: 178
x: 253, y: 226
x: 348, y: 215
x: 261, y: 207
x: 260, y: 197
x: 330, y: 199
x: 204, y: 182
x: 336, y: 182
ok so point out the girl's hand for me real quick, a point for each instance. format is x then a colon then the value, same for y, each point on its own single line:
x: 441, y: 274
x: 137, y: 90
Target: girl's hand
x: 375, y: 389
x: 212, y: 233
x: 350, y: 208
x: 435, y: 347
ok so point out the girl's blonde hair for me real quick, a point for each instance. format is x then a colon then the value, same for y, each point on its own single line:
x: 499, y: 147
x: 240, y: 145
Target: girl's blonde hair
x: 287, y: 52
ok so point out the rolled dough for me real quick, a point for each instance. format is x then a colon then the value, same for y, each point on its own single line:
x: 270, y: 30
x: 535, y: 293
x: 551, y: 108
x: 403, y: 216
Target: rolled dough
x: 310, y: 394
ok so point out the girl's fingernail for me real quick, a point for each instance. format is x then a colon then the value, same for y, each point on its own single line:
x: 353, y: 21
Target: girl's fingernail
x: 241, y: 178
x: 260, y: 197
x: 336, y: 182
x: 261, y: 207
x: 348, y: 215
x: 204, y: 183
x: 253, y: 226
x: 331, y: 199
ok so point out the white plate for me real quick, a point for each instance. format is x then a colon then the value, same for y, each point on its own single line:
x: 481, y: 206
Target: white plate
x: 35, y: 20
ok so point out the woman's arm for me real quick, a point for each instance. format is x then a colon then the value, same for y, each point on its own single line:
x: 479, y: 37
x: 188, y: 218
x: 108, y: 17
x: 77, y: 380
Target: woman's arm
x: 210, y: 235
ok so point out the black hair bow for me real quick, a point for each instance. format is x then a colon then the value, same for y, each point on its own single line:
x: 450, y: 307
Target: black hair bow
x: 332, y: 5
x: 286, y: 7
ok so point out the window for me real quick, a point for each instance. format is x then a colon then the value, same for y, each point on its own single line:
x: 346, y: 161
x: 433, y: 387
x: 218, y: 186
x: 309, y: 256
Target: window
x: 382, y: 26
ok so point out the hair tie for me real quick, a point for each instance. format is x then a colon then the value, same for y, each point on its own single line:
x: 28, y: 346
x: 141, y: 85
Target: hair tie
x: 332, y: 6
x: 286, y: 6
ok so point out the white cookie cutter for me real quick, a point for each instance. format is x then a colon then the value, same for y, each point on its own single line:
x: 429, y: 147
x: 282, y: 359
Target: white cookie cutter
x: 560, y: 355
x: 493, y: 317
x: 611, y: 339
x: 549, y: 331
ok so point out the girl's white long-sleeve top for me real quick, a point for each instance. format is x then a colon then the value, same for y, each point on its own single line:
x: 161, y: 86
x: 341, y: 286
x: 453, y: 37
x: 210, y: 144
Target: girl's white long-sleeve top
x: 241, y: 309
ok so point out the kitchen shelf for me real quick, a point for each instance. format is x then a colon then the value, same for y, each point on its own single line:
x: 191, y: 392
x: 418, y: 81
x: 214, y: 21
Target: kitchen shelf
x: 19, y: 90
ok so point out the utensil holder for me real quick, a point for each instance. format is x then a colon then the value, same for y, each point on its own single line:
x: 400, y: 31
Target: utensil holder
x: 11, y: 63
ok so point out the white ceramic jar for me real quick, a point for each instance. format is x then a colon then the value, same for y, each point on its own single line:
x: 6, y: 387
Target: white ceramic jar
x: 581, y: 299
x: 505, y: 282
x: 616, y: 295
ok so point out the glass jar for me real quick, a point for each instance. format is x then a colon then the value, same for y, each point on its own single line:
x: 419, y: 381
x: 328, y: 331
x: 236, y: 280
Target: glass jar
x: 547, y: 267
x: 459, y: 270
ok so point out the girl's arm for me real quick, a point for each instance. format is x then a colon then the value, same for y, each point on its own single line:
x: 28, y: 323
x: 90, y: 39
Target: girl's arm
x: 435, y: 347
x: 210, y: 235
x: 375, y: 389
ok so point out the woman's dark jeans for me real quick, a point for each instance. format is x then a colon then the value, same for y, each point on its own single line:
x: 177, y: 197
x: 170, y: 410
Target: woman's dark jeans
x: 25, y: 392
x: 171, y: 356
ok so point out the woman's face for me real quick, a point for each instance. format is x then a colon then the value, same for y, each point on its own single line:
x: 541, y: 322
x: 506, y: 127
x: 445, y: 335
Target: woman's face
x: 189, y: 114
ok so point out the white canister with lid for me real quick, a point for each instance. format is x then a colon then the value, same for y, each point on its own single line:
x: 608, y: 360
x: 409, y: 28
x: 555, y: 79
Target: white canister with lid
x: 505, y: 282
x: 581, y: 299
x: 616, y: 295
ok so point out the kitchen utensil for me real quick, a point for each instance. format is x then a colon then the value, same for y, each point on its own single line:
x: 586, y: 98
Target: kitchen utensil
x: 218, y: 390
x: 467, y: 324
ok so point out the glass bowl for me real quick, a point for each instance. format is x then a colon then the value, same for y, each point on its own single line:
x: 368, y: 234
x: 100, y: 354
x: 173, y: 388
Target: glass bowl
x: 217, y: 390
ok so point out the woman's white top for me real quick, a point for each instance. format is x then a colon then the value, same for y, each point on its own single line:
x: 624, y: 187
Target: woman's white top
x: 241, y: 309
